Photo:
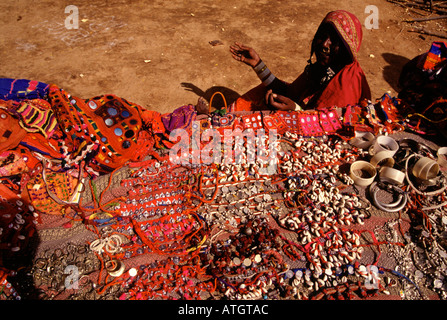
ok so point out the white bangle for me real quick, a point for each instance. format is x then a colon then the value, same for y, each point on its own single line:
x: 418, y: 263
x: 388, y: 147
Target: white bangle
x: 426, y: 168
x: 383, y: 158
x: 362, y: 140
x: 392, y: 176
x: 384, y: 143
x: 442, y: 156
x: 359, y: 169
x: 298, y: 107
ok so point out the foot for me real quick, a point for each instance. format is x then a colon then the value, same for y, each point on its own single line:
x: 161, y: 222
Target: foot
x: 202, y: 106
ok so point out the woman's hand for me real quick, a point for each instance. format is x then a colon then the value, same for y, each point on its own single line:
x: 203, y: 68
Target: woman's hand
x: 244, y: 54
x: 279, y: 102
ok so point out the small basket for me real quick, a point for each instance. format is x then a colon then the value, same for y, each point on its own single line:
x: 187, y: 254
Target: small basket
x: 223, y: 98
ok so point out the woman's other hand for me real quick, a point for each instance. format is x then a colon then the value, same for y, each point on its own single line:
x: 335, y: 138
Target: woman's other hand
x: 279, y: 102
x: 244, y: 54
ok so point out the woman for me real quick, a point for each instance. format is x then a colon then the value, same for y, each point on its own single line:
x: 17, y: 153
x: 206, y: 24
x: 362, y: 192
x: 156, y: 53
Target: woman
x: 335, y: 79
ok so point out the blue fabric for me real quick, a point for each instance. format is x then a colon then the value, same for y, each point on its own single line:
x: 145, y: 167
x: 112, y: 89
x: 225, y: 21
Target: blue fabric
x: 20, y: 89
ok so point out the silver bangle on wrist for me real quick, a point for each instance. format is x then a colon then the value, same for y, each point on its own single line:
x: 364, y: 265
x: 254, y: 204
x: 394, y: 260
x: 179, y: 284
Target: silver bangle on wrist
x: 264, y: 73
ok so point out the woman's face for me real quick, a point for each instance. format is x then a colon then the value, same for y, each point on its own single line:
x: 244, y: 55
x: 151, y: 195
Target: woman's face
x: 327, y: 45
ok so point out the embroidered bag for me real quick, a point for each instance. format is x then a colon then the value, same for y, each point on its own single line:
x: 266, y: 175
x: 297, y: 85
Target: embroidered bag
x: 102, y: 130
x: 11, y: 133
x: 436, y: 54
x: 291, y: 121
x: 253, y: 121
x: 50, y: 192
x: 310, y: 124
x: 329, y: 121
x: 274, y: 121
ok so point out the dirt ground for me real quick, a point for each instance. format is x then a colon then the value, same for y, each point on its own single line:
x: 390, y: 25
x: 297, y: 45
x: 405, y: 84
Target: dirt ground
x: 157, y: 53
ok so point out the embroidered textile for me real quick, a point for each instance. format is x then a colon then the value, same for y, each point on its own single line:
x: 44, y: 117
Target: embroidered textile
x: 36, y: 116
x: 11, y: 133
x: 50, y: 193
x: 20, y: 89
x: 103, y: 130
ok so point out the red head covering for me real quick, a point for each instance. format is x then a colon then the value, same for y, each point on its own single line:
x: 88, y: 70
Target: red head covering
x: 348, y: 27
x: 347, y: 87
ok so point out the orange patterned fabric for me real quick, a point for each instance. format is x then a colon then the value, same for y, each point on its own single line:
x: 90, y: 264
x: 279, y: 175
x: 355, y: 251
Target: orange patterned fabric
x: 104, y: 129
x: 348, y: 27
x: 62, y: 187
x: 11, y: 133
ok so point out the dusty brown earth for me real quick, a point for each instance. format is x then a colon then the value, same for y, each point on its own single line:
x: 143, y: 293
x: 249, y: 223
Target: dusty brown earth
x: 157, y: 53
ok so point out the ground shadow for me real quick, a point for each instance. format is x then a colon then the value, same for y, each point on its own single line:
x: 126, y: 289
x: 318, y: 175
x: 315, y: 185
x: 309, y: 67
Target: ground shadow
x: 19, y: 264
x: 392, y: 71
x: 229, y: 94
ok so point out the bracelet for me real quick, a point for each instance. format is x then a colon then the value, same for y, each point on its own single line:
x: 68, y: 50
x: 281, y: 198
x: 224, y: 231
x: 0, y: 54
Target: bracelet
x: 392, y: 176
x: 442, y: 156
x: 384, y: 143
x: 264, y: 73
x: 363, y: 167
x: 396, y: 206
x: 298, y: 107
x: 425, y: 168
x: 97, y: 245
x: 410, y: 183
x: 362, y: 140
x: 259, y: 66
x: 115, y: 267
x: 383, y: 158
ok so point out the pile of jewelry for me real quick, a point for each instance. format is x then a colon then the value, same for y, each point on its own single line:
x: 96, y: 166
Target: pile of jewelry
x: 290, y: 235
x: 309, y: 219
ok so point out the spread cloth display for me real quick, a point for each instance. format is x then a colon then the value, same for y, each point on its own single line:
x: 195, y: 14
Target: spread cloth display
x: 93, y: 204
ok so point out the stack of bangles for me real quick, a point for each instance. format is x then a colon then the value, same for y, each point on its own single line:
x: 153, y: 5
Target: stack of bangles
x: 267, y: 77
x: 416, y: 162
x: 111, y: 244
x: 264, y: 73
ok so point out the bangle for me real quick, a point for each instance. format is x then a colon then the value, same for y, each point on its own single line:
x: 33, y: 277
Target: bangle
x: 392, y: 176
x: 358, y: 170
x: 115, y: 267
x: 298, y: 107
x: 442, y: 156
x: 362, y: 140
x: 269, y: 80
x: 426, y: 168
x: 384, y: 143
x: 410, y: 183
x: 383, y: 158
x: 259, y: 66
x: 264, y: 73
x: 396, y: 206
